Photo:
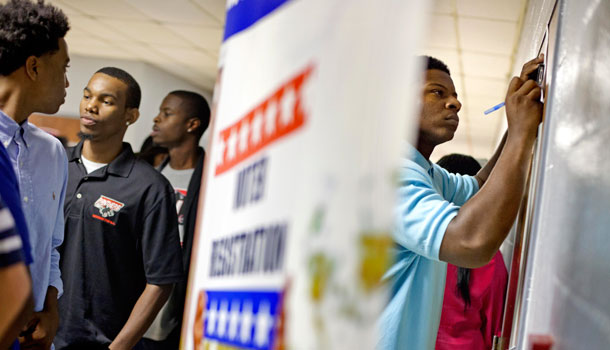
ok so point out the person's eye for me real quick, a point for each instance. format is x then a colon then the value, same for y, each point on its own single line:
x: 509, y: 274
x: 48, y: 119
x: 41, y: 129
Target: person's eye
x: 85, y: 97
x: 108, y: 103
x: 438, y: 92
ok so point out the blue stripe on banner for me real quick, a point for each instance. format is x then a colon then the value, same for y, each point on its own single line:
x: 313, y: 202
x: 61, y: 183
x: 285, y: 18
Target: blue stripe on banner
x: 244, y: 319
x: 241, y: 14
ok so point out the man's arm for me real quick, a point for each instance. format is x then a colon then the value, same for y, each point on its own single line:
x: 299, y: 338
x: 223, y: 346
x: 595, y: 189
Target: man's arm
x: 44, y: 323
x: 476, y: 233
x: 483, y: 174
x: 142, y: 315
x: 17, y: 302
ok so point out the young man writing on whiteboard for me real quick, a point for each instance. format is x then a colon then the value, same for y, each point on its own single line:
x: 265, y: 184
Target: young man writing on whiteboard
x: 443, y: 217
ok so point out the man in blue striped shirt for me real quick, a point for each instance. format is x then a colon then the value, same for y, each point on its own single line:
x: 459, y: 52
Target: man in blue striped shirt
x: 33, y: 62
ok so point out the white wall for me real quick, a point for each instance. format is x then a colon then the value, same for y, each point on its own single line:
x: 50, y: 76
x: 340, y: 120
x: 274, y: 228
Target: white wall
x: 155, y: 84
x: 568, y: 275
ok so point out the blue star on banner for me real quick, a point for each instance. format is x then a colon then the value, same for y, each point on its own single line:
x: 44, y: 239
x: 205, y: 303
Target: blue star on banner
x: 244, y: 319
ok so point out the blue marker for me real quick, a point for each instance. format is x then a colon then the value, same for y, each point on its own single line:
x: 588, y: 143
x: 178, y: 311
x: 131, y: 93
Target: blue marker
x: 494, y: 108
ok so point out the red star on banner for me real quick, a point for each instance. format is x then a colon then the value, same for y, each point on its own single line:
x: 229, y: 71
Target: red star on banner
x: 279, y: 115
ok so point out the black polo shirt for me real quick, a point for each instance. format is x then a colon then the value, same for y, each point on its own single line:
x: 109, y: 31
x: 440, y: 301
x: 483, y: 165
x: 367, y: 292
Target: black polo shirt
x: 121, y: 233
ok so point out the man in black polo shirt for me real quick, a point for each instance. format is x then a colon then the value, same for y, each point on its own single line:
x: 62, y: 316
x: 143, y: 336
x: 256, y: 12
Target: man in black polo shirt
x: 121, y: 254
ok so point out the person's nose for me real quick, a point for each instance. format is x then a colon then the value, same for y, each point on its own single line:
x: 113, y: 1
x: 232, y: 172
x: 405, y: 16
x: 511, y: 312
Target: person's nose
x: 91, y: 106
x: 454, y: 103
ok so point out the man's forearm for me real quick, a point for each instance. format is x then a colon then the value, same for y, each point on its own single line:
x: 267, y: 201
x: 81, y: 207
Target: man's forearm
x: 17, y: 302
x: 142, y: 315
x: 488, y: 216
x: 50, y: 301
x: 483, y: 174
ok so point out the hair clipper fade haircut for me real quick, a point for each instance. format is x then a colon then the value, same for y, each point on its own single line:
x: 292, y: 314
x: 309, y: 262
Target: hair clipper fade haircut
x: 134, y: 94
x: 28, y: 29
x: 435, y: 63
x: 195, y: 105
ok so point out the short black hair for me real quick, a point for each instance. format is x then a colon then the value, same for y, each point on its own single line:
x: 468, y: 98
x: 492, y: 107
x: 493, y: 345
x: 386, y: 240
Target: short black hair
x: 195, y: 105
x: 28, y: 29
x: 134, y: 94
x: 460, y: 164
x: 435, y: 63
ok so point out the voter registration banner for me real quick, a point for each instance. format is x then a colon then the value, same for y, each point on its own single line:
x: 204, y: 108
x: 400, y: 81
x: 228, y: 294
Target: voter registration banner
x: 312, y: 103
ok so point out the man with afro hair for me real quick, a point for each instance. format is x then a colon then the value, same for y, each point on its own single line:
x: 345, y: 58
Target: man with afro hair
x: 33, y: 63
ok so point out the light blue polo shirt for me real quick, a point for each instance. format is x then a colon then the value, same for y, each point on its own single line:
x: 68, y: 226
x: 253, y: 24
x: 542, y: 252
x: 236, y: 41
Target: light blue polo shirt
x: 429, y: 198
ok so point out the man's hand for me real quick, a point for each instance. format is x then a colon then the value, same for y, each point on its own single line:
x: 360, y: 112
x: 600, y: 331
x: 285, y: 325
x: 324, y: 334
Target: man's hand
x: 523, y: 106
x: 45, y: 325
x: 198, y: 323
x: 40, y: 331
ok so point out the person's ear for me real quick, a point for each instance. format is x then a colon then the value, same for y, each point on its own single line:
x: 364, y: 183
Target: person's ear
x: 131, y: 115
x: 193, y: 124
x: 32, y: 65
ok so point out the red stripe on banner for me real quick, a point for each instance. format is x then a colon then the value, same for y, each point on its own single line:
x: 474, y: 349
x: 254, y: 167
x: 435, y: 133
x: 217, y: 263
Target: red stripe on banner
x: 103, y: 219
x: 277, y: 116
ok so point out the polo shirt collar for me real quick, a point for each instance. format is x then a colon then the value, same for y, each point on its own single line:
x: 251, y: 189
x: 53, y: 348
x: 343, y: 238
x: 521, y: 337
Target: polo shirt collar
x: 418, y: 158
x: 120, y: 166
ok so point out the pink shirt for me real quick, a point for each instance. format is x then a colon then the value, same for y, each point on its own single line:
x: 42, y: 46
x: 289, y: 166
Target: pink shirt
x: 474, y: 328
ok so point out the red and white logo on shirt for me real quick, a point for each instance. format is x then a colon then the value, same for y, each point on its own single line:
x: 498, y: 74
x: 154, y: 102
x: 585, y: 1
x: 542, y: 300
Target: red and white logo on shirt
x: 108, y: 206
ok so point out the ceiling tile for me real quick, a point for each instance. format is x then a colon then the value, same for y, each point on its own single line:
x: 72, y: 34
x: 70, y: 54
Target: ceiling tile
x: 195, y: 77
x: 147, y: 32
x: 441, y: 32
x: 66, y: 8
x: 493, y: 9
x: 99, y: 49
x: 490, y: 87
x: 443, y: 7
x: 189, y: 56
x: 485, y: 66
x: 116, y: 9
x: 200, y: 36
x: 216, y: 8
x: 144, y: 52
x: 94, y: 28
x: 175, y: 11
x: 479, y: 104
x: 487, y: 36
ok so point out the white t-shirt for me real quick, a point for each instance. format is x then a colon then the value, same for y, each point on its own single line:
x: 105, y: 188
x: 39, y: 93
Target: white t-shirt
x: 91, y: 166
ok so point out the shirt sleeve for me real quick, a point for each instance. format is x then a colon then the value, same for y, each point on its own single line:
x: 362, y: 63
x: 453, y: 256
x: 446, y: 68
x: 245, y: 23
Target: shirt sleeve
x: 58, y: 234
x: 161, y: 243
x: 457, y: 188
x: 10, y: 242
x: 422, y: 215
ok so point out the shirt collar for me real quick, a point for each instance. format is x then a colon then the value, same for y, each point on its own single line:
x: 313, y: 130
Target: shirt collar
x: 8, y: 128
x: 417, y: 157
x: 120, y: 166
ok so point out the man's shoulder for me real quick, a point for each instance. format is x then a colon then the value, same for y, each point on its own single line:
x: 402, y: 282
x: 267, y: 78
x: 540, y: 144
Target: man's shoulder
x: 411, y: 172
x: 146, y: 174
x: 41, y: 138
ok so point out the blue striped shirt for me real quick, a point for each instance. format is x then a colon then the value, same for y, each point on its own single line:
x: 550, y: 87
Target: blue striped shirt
x: 40, y: 164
